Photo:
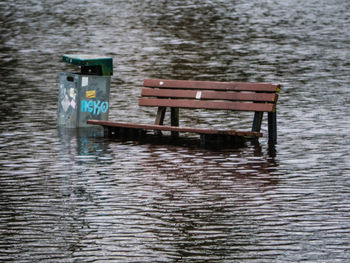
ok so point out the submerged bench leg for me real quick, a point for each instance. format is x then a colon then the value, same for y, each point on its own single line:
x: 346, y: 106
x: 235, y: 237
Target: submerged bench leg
x: 258, y: 117
x: 272, y: 127
x: 174, y: 120
x: 106, y: 131
x: 203, y: 138
x: 160, y: 118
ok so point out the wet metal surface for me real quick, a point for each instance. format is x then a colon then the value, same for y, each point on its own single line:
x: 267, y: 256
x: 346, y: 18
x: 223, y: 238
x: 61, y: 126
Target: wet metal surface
x: 76, y: 197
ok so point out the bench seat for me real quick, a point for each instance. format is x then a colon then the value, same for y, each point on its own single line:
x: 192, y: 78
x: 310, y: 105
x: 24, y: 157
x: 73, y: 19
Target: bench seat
x: 154, y: 127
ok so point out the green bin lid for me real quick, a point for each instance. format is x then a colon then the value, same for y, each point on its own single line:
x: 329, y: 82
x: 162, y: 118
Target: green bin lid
x: 106, y: 63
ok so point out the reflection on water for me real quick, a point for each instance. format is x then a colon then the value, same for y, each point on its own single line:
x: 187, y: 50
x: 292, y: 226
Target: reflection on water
x: 80, y: 141
x: 73, y: 196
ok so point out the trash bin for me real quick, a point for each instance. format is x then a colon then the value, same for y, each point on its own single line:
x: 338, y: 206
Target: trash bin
x: 84, y: 95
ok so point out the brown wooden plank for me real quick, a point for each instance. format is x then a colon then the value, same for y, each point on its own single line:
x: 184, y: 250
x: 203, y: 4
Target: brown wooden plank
x: 173, y: 128
x: 211, y: 85
x: 205, y: 104
x: 207, y: 95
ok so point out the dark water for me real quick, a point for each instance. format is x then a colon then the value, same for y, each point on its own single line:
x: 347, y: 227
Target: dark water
x: 79, y: 198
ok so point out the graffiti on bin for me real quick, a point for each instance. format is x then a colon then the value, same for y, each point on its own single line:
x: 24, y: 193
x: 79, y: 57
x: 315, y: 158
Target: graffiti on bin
x: 95, y: 107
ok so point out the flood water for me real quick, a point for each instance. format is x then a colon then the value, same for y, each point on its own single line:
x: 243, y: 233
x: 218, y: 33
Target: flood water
x: 77, y: 197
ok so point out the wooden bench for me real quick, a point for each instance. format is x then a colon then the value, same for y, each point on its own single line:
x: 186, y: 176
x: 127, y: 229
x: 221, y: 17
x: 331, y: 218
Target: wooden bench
x: 176, y: 94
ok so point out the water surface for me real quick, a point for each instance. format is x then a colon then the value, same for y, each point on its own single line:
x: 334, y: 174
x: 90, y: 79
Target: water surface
x: 76, y: 197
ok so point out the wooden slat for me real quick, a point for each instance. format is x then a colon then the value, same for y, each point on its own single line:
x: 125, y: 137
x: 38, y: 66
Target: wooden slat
x: 203, y: 104
x: 211, y: 85
x: 173, y: 128
x: 207, y: 95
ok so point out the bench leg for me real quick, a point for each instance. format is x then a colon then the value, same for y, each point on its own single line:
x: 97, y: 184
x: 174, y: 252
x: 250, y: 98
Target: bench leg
x: 160, y: 118
x: 105, y: 131
x: 203, y: 139
x: 258, y: 117
x: 174, y: 114
x: 113, y: 131
x: 272, y: 127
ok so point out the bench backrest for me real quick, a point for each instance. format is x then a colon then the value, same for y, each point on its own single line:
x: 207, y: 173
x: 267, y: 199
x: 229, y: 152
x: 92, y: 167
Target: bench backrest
x: 240, y: 96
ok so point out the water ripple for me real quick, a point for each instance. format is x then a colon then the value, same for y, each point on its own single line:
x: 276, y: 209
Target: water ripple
x: 72, y: 196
